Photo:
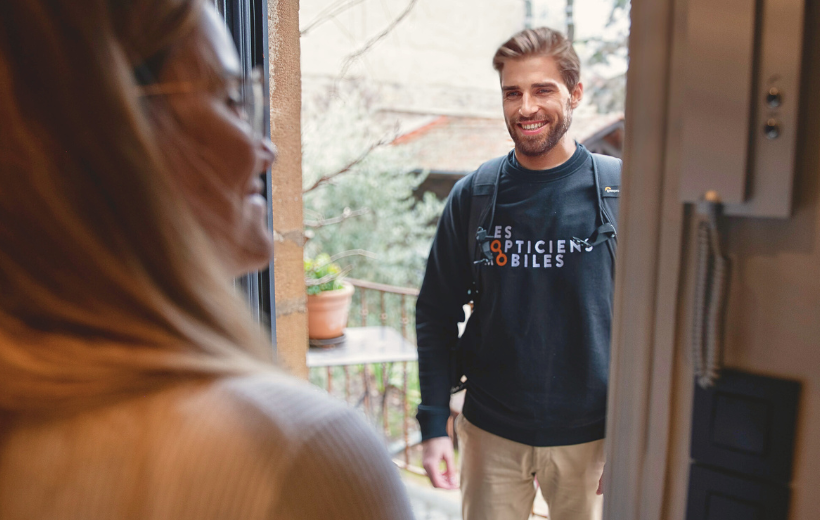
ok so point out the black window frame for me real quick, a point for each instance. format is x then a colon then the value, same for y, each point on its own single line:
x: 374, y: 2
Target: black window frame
x: 247, y: 21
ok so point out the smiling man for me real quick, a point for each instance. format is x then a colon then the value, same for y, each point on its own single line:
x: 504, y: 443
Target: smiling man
x: 529, y: 239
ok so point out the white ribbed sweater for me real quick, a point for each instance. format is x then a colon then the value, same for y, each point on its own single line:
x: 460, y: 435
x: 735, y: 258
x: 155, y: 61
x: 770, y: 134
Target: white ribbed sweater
x: 258, y: 447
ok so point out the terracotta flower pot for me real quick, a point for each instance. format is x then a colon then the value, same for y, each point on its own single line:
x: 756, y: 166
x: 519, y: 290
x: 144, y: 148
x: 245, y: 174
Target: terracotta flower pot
x: 327, y: 312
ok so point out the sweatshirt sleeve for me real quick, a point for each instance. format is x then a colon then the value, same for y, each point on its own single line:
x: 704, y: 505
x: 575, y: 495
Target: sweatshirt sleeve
x: 439, y: 309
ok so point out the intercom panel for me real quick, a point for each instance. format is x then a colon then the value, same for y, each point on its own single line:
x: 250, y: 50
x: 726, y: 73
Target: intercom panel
x: 741, y: 94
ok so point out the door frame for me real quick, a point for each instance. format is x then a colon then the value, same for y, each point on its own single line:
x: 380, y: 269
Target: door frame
x: 646, y: 366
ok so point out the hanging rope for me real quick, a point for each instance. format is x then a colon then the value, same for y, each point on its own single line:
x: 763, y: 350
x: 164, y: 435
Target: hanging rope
x: 710, y: 295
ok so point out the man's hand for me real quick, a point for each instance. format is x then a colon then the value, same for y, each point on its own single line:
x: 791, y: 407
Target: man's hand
x: 433, y: 452
x: 600, y: 490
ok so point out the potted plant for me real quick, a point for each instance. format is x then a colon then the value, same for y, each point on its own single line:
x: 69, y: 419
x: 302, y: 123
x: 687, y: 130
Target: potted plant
x: 328, y: 300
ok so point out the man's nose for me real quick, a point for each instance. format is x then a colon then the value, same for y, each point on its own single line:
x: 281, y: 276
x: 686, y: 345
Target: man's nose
x: 528, y: 107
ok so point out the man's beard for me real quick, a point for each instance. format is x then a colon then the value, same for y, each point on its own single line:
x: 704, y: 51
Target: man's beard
x: 541, y: 144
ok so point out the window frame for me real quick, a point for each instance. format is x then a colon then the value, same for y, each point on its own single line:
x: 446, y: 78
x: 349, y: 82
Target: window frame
x: 247, y: 22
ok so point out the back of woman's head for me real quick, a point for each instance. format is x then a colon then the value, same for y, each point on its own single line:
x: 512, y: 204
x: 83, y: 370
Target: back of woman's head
x: 108, y: 284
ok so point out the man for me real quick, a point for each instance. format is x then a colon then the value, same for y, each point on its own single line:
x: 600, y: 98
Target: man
x: 535, y: 351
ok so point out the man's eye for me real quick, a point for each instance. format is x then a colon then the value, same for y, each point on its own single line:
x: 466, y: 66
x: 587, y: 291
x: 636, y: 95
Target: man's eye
x: 510, y: 95
x: 544, y: 91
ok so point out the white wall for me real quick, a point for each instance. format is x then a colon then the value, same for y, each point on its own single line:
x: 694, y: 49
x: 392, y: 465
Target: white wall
x: 441, y: 42
x: 439, y: 58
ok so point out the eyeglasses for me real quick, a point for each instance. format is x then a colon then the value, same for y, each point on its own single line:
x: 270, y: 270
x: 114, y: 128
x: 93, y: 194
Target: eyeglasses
x: 245, y: 95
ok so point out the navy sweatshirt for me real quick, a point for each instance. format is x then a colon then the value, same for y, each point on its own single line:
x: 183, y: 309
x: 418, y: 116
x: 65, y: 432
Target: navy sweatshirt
x: 536, y: 349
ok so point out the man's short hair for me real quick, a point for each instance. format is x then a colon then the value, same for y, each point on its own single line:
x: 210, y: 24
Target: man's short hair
x: 542, y: 41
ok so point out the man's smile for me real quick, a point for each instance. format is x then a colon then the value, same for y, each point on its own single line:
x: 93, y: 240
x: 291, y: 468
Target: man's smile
x: 531, y: 127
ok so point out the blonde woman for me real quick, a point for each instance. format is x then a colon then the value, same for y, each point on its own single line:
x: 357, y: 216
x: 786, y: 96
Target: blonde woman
x: 132, y: 383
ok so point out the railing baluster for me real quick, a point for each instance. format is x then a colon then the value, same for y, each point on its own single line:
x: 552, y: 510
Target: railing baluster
x: 366, y: 402
x: 385, y: 383
x: 347, y: 383
x: 383, y: 315
x: 404, y: 425
x: 404, y: 320
x: 363, y: 310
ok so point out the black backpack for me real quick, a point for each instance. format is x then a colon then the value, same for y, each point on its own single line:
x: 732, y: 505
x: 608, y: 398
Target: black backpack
x: 607, y: 173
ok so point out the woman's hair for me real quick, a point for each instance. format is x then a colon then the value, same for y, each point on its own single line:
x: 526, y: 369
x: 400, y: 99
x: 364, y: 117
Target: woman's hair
x: 109, y: 286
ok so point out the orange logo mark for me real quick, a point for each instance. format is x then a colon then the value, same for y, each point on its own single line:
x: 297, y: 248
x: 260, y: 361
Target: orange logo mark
x: 501, y: 258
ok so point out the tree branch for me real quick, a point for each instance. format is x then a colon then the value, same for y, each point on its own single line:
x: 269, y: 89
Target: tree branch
x: 352, y: 252
x: 330, y: 277
x: 310, y: 282
x: 346, y: 214
x: 374, y: 40
x: 324, y: 179
x: 329, y: 13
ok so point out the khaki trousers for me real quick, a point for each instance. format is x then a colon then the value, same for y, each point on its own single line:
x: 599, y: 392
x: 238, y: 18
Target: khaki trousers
x: 497, y: 477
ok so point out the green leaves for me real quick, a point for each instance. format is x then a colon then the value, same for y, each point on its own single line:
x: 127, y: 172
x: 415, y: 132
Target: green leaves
x: 322, y: 274
x: 359, y: 189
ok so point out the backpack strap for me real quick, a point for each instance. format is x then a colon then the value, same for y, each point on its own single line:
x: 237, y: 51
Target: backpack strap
x: 484, y: 189
x: 607, y: 176
x: 609, y: 186
x: 482, y: 205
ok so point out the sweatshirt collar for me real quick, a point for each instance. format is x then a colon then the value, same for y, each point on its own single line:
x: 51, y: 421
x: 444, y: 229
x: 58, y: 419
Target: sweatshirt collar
x: 514, y: 169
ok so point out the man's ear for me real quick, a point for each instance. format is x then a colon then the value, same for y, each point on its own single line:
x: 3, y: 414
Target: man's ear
x: 577, y: 95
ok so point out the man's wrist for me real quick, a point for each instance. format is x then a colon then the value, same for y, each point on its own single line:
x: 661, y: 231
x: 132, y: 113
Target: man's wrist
x: 433, y: 421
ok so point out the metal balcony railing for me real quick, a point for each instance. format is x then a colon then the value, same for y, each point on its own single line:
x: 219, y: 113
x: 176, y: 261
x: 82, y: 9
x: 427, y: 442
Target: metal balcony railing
x: 362, y: 371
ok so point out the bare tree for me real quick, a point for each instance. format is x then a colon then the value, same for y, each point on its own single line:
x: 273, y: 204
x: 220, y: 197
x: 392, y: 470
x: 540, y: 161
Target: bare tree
x: 376, y: 39
x: 329, y: 13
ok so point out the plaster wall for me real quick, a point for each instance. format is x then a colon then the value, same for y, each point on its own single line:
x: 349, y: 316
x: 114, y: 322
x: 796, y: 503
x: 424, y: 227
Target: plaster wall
x: 774, y: 315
